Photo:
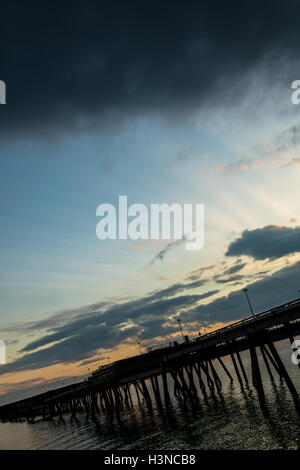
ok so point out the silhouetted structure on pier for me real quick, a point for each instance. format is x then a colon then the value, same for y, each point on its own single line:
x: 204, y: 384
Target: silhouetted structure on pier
x: 108, y: 389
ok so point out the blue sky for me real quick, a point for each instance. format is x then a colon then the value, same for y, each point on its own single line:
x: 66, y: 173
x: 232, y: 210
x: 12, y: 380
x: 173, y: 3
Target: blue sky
x: 51, y: 193
x: 51, y: 258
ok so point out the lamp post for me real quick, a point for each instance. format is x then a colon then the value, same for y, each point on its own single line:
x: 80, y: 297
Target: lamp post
x: 246, y: 293
x: 178, y: 319
x: 140, y: 347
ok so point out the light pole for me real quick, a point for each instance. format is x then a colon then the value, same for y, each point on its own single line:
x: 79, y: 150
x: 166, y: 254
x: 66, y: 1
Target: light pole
x: 140, y: 347
x: 178, y: 319
x: 246, y: 292
x: 108, y: 360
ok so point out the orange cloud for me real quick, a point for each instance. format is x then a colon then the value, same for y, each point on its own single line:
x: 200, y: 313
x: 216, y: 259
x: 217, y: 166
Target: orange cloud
x: 245, y: 165
x: 294, y: 161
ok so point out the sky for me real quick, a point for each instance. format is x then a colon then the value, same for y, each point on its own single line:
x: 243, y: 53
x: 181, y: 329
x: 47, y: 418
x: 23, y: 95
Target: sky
x: 164, y: 102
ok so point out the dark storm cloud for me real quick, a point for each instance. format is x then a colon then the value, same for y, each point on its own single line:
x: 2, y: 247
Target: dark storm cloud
x: 85, y: 335
x: 154, y: 328
x: 82, y: 345
x: 269, y: 242
x: 72, y: 65
x: 272, y: 291
x: 137, y: 311
x: 78, y: 316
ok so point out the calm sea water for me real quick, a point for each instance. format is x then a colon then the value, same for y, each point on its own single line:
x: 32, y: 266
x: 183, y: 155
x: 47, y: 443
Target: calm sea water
x: 231, y: 419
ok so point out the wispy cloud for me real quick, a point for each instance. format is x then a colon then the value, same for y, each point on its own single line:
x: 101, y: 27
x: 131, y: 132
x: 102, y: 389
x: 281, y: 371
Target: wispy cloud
x: 193, y: 275
x: 191, y: 153
x: 236, y: 268
x: 242, y: 164
x: 170, y: 246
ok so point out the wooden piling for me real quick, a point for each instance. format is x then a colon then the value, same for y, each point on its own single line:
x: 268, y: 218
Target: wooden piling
x: 236, y: 368
x: 179, y: 386
x: 189, y: 371
x: 165, y: 384
x: 225, y: 368
x: 146, y: 394
x: 215, y: 375
x: 137, y: 391
x: 241, y: 366
x: 256, y: 373
x: 201, y: 383
x: 284, y: 373
x: 262, y: 349
x: 210, y: 382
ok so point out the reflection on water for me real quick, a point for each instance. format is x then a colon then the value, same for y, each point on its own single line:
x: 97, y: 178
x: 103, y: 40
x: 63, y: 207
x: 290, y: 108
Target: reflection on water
x: 230, y: 419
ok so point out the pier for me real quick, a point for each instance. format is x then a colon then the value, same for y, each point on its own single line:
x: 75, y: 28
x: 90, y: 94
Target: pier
x: 178, y: 365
